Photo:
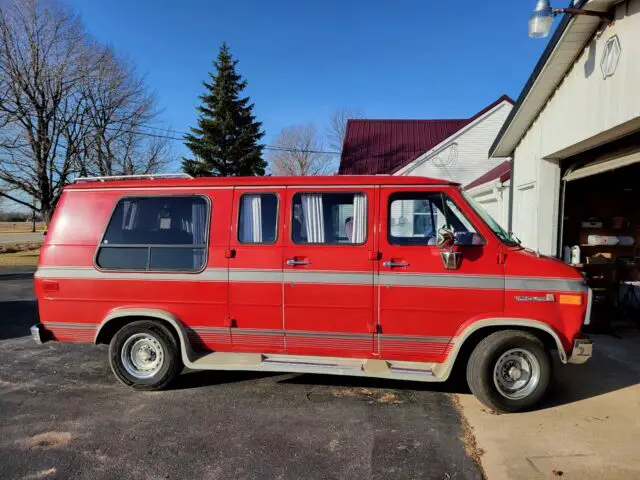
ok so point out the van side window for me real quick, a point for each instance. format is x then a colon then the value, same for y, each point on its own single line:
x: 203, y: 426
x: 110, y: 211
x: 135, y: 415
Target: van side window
x: 416, y: 217
x: 329, y: 218
x: 156, y: 234
x: 258, y: 218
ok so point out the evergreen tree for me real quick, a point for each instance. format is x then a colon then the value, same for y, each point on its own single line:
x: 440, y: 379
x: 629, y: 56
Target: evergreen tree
x: 226, y: 141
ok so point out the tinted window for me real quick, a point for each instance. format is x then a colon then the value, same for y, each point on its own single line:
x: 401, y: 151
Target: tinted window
x: 329, y: 218
x: 156, y: 233
x: 258, y: 218
x: 416, y: 217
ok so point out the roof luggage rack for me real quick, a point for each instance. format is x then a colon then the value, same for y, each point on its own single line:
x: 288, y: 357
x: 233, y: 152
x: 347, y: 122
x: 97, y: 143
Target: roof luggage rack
x: 152, y: 176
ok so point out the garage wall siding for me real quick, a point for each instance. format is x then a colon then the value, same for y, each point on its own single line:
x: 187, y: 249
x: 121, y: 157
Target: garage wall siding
x: 586, y: 104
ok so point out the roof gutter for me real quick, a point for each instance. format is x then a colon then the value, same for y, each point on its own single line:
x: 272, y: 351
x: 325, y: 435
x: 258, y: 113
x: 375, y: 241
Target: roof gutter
x: 567, y: 20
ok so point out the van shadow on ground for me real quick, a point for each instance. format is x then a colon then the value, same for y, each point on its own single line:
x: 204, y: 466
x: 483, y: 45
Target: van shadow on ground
x: 16, y: 317
x: 605, y: 373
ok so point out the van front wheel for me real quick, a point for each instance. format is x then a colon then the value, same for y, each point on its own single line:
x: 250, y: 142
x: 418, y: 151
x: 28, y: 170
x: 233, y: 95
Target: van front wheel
x: 145, y: 355
x: 509, y: 371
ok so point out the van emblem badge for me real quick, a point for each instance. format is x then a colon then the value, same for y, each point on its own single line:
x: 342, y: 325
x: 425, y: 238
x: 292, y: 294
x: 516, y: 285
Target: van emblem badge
x: 549, y: 297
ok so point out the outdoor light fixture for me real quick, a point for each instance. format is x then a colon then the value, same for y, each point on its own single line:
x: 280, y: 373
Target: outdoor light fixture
x: 542, y: 17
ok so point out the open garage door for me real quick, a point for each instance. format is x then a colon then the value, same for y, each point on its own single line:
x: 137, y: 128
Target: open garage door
x: 604, y: 164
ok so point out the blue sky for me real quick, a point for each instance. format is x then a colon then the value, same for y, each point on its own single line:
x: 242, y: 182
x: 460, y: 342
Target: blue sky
x: 302, y: 59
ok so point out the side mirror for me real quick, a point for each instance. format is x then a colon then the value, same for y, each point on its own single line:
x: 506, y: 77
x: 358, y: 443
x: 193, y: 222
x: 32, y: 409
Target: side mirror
x: 446, y: 238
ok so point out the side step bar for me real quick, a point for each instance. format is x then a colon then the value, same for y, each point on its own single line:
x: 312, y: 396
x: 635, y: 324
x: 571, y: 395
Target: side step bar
x: 417, y: 371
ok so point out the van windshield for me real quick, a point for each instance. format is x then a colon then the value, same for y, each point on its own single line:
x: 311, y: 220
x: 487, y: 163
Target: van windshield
x: 507, y: 238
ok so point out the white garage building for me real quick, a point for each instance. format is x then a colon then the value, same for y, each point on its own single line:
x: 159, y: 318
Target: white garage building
x: 577, y: 118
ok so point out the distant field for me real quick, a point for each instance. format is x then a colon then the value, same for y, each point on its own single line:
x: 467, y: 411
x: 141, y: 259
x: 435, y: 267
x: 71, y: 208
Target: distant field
x: 19, y: 227
x: 19, y: 254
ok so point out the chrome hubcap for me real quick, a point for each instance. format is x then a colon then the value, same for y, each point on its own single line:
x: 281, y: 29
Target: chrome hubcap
x: 516, y: 373
x: 142, y: 355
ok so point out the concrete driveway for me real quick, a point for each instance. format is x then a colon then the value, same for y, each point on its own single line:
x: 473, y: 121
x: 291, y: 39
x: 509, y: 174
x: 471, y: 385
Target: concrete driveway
x: 62, y: 415
x: 589, y: 428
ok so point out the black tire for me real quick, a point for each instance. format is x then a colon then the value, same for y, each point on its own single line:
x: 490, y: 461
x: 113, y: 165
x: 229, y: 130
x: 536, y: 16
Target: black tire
x: 171, y: 364
x: 482, y: 362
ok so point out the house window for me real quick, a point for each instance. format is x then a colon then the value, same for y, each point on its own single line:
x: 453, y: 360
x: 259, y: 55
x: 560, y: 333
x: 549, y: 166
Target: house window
x: 329, y: 218
x: 156, y: 234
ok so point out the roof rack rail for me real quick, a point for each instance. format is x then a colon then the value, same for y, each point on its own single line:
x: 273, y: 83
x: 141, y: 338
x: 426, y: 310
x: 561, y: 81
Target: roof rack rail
x: 151, y: 176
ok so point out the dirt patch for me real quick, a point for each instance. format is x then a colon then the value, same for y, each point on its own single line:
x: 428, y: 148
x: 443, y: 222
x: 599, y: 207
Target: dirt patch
x: 48, y: 440
x: 468, y: 438
x: 390, y: 398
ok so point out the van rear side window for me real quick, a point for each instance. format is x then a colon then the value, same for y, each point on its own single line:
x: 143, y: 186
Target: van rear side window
x: 156, y: 234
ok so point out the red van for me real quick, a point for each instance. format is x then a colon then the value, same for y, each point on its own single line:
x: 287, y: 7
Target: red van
x: 374, y: 276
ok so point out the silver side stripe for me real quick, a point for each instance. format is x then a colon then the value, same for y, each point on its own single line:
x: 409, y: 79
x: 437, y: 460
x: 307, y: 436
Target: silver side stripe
x: 307, y: 333
x: 269, y: 276
x: 441, y: 280
x: 90, y: 326
x: 208, y: 275
x: 544, y: 284
x: 410, y: 338
x: 343, y: 278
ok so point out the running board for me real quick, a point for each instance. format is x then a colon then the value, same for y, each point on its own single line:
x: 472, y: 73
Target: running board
x: 418, y: 371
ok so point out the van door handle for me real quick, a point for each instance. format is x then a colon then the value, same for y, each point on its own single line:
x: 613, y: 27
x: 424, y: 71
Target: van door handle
x: 292, y: 262
x: 392, y: 264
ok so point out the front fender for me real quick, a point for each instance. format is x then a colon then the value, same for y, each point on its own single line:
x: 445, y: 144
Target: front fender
x: 466, y: 330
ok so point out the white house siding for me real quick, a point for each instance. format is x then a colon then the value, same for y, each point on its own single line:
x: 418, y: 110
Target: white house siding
x: 586, y: 110
x: 463, y: 157
x: 493, y: 196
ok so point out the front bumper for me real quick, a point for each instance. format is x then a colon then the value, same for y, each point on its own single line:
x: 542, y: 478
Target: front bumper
x: 581, y: 352
x: 39, y: 334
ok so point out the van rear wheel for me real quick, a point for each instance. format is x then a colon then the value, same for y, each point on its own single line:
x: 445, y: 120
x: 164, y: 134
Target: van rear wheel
x: 509, y: 371
x: 145, y: 355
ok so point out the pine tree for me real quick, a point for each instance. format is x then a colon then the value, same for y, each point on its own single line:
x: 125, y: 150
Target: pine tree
x: 226, y: 141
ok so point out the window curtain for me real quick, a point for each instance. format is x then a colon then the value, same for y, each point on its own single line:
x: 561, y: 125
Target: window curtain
x: 359, y: 218
x: 251, y: 218
x: 313, y: 217
x: 129, y: 214
x: 198, y: 223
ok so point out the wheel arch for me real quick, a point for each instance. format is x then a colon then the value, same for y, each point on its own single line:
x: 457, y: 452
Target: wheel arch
x: 468, y: 337
x: 117, y: 319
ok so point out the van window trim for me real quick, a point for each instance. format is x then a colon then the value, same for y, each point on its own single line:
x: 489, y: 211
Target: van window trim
x: 353, y: 192
x: 446, y: 196
x: 207, y: 230
x: 237, y: 220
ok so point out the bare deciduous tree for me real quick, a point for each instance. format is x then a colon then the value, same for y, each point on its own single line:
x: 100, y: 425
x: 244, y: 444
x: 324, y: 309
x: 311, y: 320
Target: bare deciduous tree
x: 67, y: 106
x: 297, y: 151
x: 118, y: 107
x: 337, y: 127
x: 42, y: 60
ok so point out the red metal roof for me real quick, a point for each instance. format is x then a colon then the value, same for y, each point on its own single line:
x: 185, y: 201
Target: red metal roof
x: 385, y: 146
x: 502, y: 171
x: 204, y: 182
